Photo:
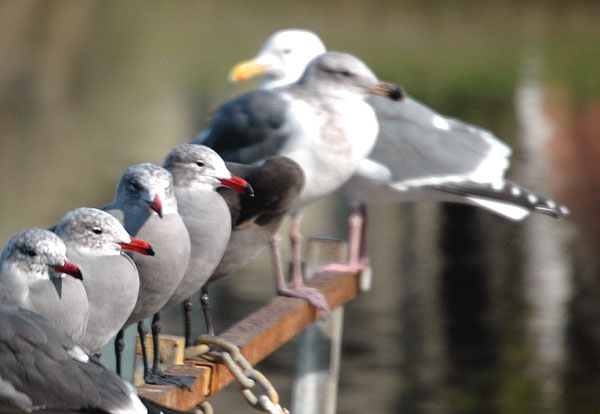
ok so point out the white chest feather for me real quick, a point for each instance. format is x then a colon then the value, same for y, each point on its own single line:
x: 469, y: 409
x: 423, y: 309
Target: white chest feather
x: 329, y: 141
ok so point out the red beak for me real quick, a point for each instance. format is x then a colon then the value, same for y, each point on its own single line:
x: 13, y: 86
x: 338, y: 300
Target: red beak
x: 70, y: 269
x: 139, y: 246
x: 238, y: 184
x: 156, y: 205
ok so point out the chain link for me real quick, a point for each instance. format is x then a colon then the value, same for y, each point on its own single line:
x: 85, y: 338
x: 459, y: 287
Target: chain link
x: 204, y: 408
x: 245, y: 374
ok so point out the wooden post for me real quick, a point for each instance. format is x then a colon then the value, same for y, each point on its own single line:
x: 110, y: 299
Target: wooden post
x: 319, y: 347
x: 171, y: 349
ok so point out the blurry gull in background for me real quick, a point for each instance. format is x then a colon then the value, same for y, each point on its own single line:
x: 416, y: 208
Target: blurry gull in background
x: 419, y: 154
x: 322, y: 122
x: 282, y: 58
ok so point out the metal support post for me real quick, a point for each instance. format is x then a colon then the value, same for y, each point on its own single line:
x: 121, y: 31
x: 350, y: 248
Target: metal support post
x: 319, y: 348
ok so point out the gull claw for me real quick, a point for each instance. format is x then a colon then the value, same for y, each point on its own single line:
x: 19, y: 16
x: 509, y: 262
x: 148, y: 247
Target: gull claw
x: 311, y: 295
x: 350, y: 267
x: 161, y: 378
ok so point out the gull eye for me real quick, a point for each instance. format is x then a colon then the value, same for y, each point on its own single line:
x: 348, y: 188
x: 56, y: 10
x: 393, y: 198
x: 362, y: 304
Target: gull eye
x: 135, y: 185
x: 30, y: 253
x: 97, y: 230
x: 345, y: 73
x: 200, y: 163
x: 287, y: 51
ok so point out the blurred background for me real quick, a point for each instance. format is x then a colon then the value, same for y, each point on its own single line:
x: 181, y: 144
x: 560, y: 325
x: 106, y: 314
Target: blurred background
x: 468, y: 312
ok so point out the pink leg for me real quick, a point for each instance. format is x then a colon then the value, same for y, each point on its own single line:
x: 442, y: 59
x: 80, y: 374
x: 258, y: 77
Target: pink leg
x: 358, y: 259
x: 276, y: 256
x: 296, y: 245
x: 364, y: 232
x: 355, y: 225
x: 297, y: 288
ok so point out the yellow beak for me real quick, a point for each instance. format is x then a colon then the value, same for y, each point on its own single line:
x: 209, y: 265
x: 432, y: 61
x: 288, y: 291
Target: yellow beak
x: 246, y: 70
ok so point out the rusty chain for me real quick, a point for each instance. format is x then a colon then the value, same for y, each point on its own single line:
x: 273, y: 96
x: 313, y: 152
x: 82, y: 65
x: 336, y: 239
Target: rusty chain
x: 244, y: 373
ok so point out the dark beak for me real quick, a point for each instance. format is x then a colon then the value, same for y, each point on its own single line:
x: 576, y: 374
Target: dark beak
x: 388, y: 90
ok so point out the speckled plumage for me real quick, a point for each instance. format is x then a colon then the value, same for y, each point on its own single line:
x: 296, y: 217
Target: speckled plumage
x: 419, y: 154
x: 322, y: 122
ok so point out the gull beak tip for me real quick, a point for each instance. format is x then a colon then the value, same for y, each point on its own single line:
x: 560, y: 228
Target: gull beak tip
x: 249, y: 191
x: 397, y: 93
x: 389, y: 90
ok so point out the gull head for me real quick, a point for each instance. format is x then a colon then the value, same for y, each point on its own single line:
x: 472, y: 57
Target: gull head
x: 199, y: 166
x: 343, y: 75
x: 282, y: 58
x: 147, y: 186
x: 38, y: 253
x: 97, y: 233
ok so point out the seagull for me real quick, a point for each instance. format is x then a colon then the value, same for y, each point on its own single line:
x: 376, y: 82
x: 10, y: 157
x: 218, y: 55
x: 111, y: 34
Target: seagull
x: 43, y: 370
x: 95, y: 240
x: 276, y: 183
x: 36, y: 275
x: 419, y: 154
x: 146, y: 206
x: 322, y: 122
x: 197, y: 172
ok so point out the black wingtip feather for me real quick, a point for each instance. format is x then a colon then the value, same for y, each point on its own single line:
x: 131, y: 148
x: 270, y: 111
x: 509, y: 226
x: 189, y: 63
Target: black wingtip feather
x: 509, y: 193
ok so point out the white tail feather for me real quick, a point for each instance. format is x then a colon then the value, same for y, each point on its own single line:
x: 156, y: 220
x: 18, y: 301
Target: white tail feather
x: 510, y: 211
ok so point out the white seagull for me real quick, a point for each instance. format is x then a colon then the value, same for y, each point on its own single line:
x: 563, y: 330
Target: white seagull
x: 419, y: 154
x: 322, y: 122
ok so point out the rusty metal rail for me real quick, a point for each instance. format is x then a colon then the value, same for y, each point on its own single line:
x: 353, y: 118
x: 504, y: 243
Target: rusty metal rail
x: 258, y: 335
